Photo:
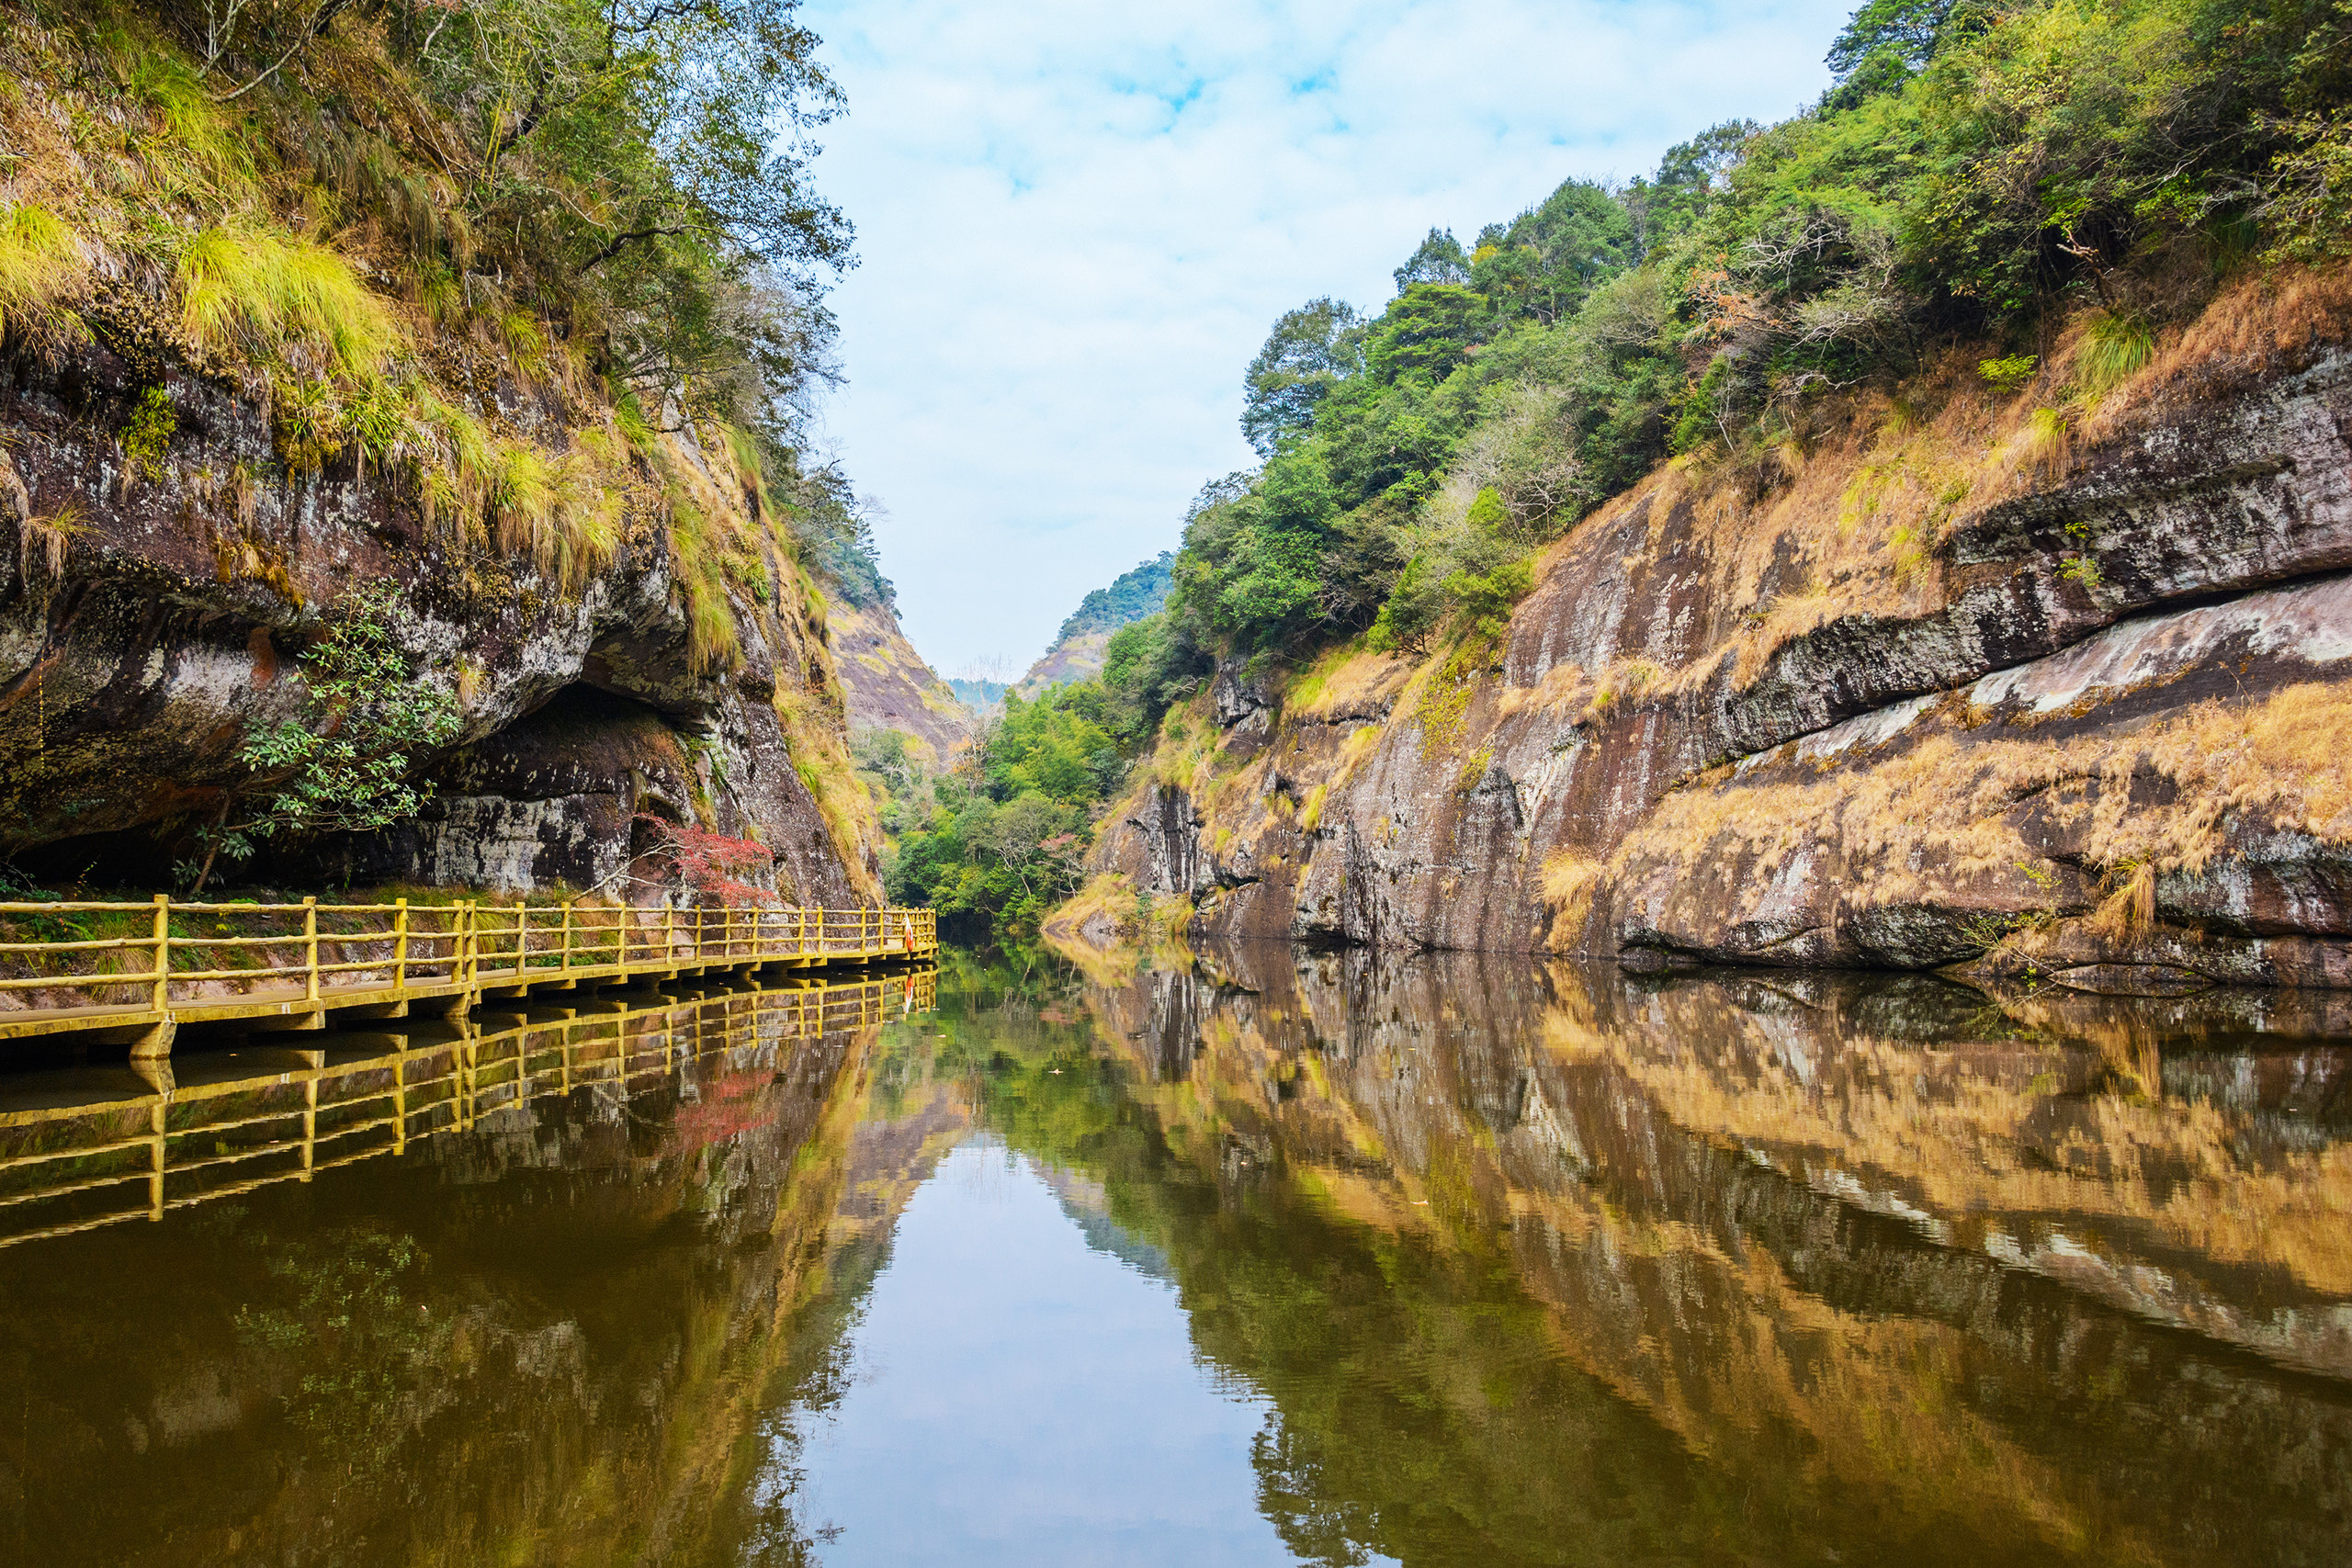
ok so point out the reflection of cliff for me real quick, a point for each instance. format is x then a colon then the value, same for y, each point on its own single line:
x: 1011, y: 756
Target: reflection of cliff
x: 550, y: 1335
x: 1908, y: 1282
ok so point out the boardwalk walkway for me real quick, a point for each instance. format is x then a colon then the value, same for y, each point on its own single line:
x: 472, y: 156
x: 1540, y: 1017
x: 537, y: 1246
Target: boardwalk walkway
x: 84, y: 1148
x: 126, y: 973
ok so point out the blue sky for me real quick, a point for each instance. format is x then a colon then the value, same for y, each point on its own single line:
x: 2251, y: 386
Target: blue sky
x: 1077, y: 222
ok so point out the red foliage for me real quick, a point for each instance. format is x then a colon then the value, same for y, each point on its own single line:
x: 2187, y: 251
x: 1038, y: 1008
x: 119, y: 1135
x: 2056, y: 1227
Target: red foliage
x: 728, y: 1104
x: 711, y: 865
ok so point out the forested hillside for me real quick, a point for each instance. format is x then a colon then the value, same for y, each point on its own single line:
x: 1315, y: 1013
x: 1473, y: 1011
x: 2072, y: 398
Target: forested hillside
x: 2024, y: 330
x: 1997, y: 178
x: 513, y: 308
x: 1078, y: 648
x: 1002, y: 840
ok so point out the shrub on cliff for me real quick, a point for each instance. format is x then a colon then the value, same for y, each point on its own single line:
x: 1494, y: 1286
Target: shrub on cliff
x: 347, y: 765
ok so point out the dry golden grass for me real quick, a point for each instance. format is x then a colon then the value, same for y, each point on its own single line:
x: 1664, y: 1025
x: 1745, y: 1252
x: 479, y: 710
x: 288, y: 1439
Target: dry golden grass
x: 2130, y: 909
x: 1626, y: 679
x: 1945, y: 800
x: 2263, y: 323
x: 1569, y: 880
x: 1563, y: 689
x: 1350, y: 679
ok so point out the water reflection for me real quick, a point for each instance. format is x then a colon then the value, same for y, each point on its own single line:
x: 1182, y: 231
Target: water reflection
x: 1286, y: 1258
x: 1900, y: 1272
x: 513, y: 1293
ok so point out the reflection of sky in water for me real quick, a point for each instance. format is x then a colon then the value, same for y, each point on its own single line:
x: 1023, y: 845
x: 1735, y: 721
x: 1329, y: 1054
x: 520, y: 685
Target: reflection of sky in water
x: 1023, y: 1395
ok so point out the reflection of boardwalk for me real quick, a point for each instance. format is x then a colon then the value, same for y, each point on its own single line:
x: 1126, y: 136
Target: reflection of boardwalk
x: 133, y: 973
x: 236, y: 1121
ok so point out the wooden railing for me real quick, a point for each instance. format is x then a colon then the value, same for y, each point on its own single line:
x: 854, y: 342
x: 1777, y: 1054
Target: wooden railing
x: 167, y: 959
x: 105, y: 1158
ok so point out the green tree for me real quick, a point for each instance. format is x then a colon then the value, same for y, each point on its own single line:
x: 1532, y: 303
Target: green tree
x: 1439, y: 259
x: 1546, y: 261
x: 1886, y: 42
x: 348, y: 764
x: 1426, y: 331
x: 1308, y: 351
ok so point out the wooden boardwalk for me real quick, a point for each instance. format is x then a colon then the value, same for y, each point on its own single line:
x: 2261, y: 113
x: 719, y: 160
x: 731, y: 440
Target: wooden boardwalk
x: 91, y: 1147
x: 132, y: 973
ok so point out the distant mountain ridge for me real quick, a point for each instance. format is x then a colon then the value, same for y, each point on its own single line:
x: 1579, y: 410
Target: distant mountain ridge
x: 1131, y: 595
x: 1079, y: 646
x: 982, y: 696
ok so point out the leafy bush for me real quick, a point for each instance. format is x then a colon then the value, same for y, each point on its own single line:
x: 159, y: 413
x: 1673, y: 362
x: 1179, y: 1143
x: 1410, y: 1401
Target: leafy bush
x: 2008, y: 374
x: 348, y: 764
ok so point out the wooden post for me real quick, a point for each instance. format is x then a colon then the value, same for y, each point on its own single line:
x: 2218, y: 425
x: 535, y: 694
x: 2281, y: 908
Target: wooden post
x: 462, y: 968
x: 669, y: 935
x: 310, y: 949
x: 467, y: 1065
x: 156, y: 1156
x: 400, y: 946
x: 567, y: 933
x: 163, y: 996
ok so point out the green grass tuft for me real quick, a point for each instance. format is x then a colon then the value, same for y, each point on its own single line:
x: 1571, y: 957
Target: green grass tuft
x: 40, y: 264
x: 2115, y: 347
x: 264, y: 296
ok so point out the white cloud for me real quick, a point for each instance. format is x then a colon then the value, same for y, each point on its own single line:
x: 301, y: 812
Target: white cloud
x: 1078, y: 220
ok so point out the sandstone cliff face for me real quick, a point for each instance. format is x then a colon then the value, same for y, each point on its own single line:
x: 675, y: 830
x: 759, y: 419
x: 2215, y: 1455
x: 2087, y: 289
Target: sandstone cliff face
x: 2071, y: 702
x: 152, y: 617
x: 889, y: 685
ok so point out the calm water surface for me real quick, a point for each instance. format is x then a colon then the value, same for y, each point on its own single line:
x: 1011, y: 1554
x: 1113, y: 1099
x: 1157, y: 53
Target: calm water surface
x: 1287, y: 1258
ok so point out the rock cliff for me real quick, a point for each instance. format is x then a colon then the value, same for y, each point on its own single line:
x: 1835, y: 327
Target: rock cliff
x: 890, y: 686
x: 254, y: 353
x: 152, y: 619
x: 1972, y: 680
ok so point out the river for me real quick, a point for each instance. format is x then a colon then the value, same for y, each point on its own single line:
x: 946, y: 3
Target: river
x: 1284, y: 1257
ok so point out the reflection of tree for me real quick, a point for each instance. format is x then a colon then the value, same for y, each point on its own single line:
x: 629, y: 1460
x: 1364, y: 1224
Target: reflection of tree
x: 555, y: 1338
x: 1421, y: 1404
x: 338, y: 1308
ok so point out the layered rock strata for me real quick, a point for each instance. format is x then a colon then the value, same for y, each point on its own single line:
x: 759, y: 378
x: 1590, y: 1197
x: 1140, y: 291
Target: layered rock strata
x: 1959, y: 691
x: 153, y: 614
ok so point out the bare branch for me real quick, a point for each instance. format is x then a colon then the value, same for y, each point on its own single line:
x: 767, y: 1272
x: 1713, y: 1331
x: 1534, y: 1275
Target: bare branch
x: 327, y: 11
x: 622, y: 242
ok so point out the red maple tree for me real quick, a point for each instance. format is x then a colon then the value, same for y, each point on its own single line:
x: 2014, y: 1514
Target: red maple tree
x: 711, y: 865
